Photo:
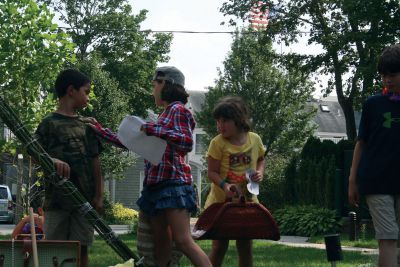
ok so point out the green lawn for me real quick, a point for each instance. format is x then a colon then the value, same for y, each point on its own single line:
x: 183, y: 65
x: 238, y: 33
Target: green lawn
x: 367, y: 241
x: 265, y: 254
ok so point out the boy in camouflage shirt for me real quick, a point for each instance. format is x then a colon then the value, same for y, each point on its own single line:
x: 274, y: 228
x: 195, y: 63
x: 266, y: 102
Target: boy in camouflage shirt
x: 75, y: 152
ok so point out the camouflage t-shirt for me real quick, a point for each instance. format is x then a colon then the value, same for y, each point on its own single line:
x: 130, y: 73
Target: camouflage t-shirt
x: 69, y: 139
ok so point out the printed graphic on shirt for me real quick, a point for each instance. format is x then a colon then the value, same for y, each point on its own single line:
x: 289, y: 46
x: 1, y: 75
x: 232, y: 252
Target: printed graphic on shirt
x: 389, y: 120
x: 238, y: 163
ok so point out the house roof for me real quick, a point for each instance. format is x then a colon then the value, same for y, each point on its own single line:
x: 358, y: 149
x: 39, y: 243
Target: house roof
x: 329, y: 118
x: 196, y: 100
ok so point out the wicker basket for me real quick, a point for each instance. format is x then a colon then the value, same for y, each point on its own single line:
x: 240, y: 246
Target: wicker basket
x: 236, y: 220
x: 145, y: 244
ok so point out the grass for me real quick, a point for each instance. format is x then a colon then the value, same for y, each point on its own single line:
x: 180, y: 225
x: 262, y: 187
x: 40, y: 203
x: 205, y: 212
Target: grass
x: 265, y: 254
x: 365, y: 241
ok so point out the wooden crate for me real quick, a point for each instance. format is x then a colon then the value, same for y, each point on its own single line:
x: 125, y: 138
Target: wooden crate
x: 51, y: 253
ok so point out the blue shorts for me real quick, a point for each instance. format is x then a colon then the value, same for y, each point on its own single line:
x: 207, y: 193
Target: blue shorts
x: 169, y: 194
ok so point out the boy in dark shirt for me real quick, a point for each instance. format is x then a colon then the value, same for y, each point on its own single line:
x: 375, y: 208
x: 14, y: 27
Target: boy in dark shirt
x: 374, y: 172
x: 75, y: 152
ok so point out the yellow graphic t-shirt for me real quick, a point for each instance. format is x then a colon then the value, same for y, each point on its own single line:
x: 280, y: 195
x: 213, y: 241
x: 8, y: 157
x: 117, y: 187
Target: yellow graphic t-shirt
x: 235, y: 161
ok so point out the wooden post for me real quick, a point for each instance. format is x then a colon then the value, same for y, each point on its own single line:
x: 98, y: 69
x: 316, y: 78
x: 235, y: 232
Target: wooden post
x: 20, y: 179
x: 33, y: 237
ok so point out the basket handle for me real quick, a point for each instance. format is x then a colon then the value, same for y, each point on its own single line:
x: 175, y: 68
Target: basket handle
x: 234, y: 188
x: 242, y: 199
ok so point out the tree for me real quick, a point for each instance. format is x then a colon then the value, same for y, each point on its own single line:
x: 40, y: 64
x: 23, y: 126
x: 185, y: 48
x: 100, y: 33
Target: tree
x: 352, y: 34
x: 32, y: 51
x: 276, y: 97
x: 108, y: 105
x: 109, y: 29
x: 119, y: 58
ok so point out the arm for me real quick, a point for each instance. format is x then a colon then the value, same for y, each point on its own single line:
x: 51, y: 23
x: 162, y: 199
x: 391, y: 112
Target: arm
x: 214, y: 175
x: 99, y: 185
x: 105, y: 133
x: 258, y: 176
x: 353, y: 194
x: 180, y: 136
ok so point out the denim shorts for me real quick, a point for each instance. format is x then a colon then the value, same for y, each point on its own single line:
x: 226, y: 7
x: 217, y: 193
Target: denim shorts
x: 385, y: 212
x: 169, y: 194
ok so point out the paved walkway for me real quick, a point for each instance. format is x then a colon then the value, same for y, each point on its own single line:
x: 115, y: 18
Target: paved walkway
x: 300, y: 241
x: 6, y: 229
x: 293, y: 241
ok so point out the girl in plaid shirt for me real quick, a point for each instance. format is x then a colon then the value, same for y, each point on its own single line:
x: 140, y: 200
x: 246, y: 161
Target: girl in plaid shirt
x: 168, y: 196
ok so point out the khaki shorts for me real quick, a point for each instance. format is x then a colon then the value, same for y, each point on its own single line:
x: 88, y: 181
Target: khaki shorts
x: 385, y: 212
x: 68, y: 225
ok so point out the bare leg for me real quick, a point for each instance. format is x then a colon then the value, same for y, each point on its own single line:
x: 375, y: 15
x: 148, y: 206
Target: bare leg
x: 84, y: 256
x: 245, y: 251
x: 387, y: 253
x: 162, y: 239
x: 178, y: 219
x: 217, y: 254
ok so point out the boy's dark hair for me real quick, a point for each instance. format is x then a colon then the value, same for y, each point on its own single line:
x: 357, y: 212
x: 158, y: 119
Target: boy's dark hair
x: 389, y: 61
x: 69, y: 77
x: 173, y: 92
x: 233, y: 108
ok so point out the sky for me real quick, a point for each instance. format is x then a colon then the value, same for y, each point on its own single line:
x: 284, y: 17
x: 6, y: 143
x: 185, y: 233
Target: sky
x: 198, y: 56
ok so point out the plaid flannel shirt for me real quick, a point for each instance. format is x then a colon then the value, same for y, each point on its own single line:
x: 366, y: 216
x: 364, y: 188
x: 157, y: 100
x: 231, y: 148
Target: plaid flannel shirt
x: 107, y: 135
x: 175, y: 125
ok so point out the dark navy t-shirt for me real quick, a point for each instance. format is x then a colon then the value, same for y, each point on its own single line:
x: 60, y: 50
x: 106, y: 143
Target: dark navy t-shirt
x: 379, y: 167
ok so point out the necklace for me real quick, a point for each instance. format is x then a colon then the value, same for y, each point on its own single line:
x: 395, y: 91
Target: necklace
x: 393, y: 96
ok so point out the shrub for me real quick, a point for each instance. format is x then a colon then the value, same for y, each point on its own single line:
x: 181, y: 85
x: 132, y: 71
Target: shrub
x: 306, y: 220
x: 116, y: 213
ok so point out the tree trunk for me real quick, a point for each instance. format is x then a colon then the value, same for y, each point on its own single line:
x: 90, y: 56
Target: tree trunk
x: 345, y: 103
x: 349, y: 117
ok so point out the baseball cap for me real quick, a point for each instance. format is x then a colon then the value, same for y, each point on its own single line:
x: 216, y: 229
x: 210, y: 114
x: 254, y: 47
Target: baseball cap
x: 170, y: 73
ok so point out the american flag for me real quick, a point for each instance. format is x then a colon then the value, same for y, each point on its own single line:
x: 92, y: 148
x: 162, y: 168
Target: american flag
x: 258, y: 17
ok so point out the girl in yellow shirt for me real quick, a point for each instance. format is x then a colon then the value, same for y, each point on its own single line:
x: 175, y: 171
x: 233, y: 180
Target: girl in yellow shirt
x: 233, y: 154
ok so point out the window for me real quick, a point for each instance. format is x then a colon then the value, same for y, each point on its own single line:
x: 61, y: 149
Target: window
x: 200, y: 146
x: 324, y: 108
x: 3, y: 193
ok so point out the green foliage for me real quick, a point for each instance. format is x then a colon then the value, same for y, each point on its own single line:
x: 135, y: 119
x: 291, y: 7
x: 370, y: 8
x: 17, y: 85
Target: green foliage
x: 272, y: 191
x: 309, y: 178
x: 32, y: 51
x: 109, y: 108
x: 111, y: 30
x: 306, y: 220
x: 352, y: 35
x: 116, y: 213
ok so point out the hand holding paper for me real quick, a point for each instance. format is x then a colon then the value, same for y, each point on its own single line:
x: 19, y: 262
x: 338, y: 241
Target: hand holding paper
x: 150, y: 147
x: 252, y: 186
